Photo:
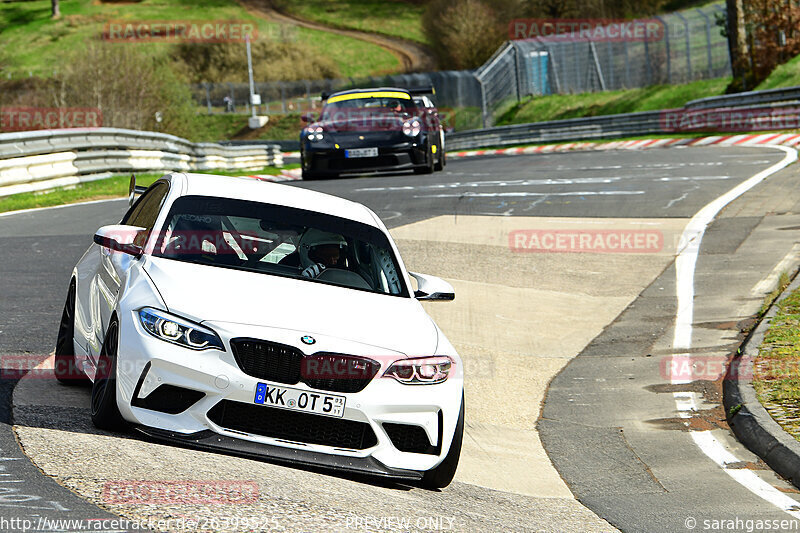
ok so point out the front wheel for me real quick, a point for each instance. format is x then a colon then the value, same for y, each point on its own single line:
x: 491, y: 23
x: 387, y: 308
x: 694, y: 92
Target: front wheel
x: 65, y: 367
x: 441, y: 162
x: 441, y: 476
x: 105, y: 412
x: 429, y: 165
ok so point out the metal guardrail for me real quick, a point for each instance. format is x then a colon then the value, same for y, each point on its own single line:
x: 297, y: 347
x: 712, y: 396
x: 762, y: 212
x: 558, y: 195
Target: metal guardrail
x: 747, y: 98
x: 37, y: 160
x: 777, y: 101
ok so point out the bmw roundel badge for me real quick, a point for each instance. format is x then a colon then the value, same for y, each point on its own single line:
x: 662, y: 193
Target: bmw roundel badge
x: 308, y: 339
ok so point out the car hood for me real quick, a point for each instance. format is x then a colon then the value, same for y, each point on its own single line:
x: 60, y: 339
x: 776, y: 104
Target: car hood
x: 214, y: 294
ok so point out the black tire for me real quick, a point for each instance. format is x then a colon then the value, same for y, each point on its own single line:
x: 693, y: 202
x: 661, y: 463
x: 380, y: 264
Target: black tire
x: 105, y: 412
x: 429, y: 165
x: 441, y: 161
x: 441, y: 476
x: 66, y: 369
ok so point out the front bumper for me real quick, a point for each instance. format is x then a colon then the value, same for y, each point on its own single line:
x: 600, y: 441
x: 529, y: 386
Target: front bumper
x: 213, y: 379
x: 208, y: 440
x: 329, y: 160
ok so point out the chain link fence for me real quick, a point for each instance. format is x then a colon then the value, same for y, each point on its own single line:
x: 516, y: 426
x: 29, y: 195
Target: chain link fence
x: 454, y: 90
x: 689, y: 47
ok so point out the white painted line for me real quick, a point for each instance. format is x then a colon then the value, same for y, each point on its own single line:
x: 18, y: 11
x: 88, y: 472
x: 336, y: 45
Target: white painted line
x: 686, y: 402
x: 771, y: 281
x: 524, y: 194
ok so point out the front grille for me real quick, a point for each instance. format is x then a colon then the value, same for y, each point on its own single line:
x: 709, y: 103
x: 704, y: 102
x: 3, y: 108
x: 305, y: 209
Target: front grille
x: 408, y: 438
x: 293, y: 426
x: 357, y: 163
x: 338, y: 372
x: 285, y: 364
x: 169, y: 399
x: 268, y: 360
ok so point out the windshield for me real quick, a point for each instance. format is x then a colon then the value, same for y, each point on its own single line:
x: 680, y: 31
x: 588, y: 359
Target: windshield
x: 281, y: 241
x: 371, y: 105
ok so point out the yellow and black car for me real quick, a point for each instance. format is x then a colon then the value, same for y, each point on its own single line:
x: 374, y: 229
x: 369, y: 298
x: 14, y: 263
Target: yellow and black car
x: 372, y: 130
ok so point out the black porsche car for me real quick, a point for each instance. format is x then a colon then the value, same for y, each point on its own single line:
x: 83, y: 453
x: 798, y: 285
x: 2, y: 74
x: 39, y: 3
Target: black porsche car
x: 370, y: 130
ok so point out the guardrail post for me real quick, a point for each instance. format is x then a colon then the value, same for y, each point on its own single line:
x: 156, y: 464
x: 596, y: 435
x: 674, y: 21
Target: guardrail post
x: 517, y: 71
x: 484, y: 107
x: 688, y: 45
x: 627, y: 64
x: 669, y: 52
x: 596, y: 60
x: 208, y: 97
x: 708, y: 42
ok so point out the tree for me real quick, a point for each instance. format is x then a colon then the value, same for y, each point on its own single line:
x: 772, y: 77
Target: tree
x: 56, y: 10
x: 737, y: 45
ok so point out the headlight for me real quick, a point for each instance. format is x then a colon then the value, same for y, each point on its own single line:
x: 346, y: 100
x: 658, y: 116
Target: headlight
x: 177, y: 330
x: 314, y: 133
x: 412, y: 127
x: 422, y: 371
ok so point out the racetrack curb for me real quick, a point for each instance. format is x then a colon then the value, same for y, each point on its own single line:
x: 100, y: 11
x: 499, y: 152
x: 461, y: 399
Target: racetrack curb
x: 752, y: 424
x: 786, y: 139
x: 768, y: 139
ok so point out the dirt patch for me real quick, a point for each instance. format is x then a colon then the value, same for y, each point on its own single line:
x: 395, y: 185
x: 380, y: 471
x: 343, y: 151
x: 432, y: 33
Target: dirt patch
x: 413, y: 57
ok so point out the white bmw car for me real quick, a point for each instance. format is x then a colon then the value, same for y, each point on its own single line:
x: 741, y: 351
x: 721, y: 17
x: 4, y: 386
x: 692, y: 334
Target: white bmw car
x: 266, y: 320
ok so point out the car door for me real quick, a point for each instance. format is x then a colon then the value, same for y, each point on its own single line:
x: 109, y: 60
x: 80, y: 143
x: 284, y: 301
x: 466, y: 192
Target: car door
x: 114, y: 266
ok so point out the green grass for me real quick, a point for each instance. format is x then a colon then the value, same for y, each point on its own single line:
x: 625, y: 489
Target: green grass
x: 563, y: 106
x: 213, y: 128
x: 33, y: 43
x: 388, y: 17
x: 114, y: 187
x: 786, y: 75
x: 775, y: 376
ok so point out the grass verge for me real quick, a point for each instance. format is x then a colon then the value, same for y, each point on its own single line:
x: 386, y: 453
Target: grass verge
x: 775, y: 372
x: 113, y: 187
x: 563, y: 106
x: 31, y: 42
x: 395, y: 18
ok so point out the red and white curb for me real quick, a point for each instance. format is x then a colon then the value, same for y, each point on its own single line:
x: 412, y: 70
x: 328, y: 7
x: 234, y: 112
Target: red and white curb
x: 773, y: 139
x: 285, y: 175
x: 768, y: 139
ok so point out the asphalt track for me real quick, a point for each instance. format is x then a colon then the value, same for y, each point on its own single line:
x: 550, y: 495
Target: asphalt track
x: 606, y: 425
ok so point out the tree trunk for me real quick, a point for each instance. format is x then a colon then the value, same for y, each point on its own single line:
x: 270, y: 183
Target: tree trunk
x: 56, y: 11
x: 737, y: 44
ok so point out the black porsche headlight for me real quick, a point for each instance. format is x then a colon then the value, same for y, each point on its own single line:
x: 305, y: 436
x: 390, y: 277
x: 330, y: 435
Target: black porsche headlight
x: 314, y: 133
x: 177, y: 330
x: 412, y: 127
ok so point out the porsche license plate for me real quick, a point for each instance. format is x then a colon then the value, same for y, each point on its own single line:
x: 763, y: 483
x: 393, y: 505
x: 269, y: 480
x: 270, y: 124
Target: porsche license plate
x: 299, y: 400
x: 361, y: 152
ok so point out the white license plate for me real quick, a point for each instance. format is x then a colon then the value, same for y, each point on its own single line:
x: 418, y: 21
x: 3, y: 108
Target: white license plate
x: 361, y: 152
x: 299, y: 400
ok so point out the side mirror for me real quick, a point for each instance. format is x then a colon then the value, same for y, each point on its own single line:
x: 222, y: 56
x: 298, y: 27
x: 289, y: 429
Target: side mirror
x: 431, y: 288
x: 307, y: 118
x: 121, y: 238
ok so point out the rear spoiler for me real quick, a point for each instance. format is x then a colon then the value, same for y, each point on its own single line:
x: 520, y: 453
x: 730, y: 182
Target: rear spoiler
x: 418, y: 91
